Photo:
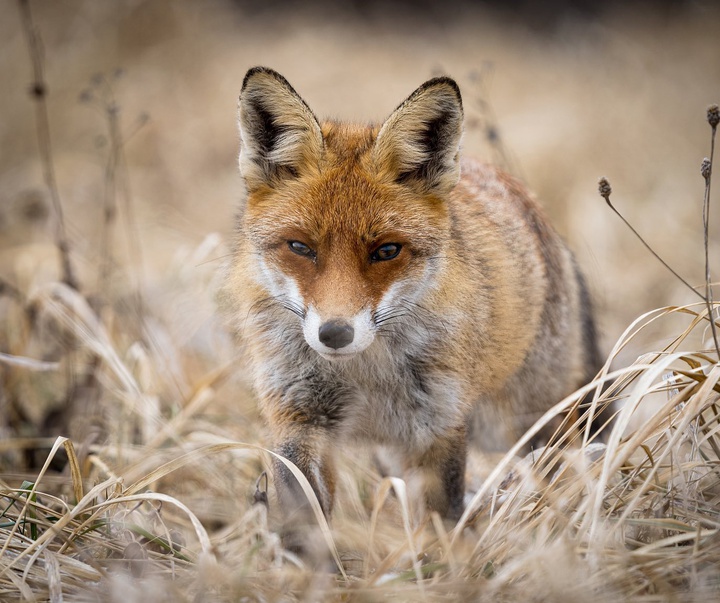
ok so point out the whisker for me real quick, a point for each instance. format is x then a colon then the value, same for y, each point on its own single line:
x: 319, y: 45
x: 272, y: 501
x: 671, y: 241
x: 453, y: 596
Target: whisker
x: 293, y: 307
x: 277, y: 302
x: 406, y: 317
x: 437, y: 321
x: 388, y: 314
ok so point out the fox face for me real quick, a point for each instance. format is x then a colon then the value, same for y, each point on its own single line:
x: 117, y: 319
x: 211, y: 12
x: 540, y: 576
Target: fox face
x: 344, y: 277
x: 323, y: 207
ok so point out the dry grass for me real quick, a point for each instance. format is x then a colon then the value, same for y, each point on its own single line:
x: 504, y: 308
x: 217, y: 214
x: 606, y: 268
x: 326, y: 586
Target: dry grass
x: 168, y: 515
x: 155, y: 491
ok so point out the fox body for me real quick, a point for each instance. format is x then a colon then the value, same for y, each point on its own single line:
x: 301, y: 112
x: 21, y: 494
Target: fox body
x: 384, y: 289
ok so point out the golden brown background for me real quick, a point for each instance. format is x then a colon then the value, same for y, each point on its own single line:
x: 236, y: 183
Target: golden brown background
x: 574, y: 91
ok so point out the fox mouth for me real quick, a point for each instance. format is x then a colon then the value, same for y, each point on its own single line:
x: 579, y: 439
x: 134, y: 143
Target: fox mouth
x: 338, y: 355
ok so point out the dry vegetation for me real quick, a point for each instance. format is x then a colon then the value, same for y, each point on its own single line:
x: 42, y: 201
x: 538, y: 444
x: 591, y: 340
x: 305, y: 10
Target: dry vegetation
x: 131, y: 453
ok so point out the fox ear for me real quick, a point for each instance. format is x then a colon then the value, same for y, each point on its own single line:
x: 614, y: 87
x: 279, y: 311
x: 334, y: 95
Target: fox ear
x: 279, y: 135
x: 419, y: 144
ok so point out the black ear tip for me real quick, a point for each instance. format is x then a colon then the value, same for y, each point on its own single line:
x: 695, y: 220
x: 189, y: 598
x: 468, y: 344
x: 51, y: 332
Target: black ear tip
x: 437, y: 84
x: 443, y: 82
x: 443, y: 79
x: 266, y: 71
x: 251, y: 73
x: 254, y: 71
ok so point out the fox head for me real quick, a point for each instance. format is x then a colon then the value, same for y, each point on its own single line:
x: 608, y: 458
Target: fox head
x: 347, y: 225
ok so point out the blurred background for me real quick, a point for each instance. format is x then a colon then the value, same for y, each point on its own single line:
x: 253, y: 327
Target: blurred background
x: 142, y: 109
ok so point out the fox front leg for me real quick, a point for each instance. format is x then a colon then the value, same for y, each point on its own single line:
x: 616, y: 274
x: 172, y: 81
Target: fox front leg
x: 304, y: 415
x: 308, y: 450
x: 443, y: 465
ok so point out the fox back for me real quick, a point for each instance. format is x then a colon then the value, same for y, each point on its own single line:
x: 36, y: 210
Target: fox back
x: 389, y: 292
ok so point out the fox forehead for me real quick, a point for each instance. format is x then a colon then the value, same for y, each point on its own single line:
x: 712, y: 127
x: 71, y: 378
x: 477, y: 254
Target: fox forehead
x: 346, y: 197
x: 346, y: 142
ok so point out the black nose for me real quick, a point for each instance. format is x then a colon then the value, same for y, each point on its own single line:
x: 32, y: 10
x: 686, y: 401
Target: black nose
x: 336, y: 334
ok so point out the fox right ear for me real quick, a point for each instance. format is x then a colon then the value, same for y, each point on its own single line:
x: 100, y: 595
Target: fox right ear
x: 279, y: 135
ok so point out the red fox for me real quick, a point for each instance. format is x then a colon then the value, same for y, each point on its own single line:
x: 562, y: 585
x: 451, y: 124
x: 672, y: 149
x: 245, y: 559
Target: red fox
x: 384, y: 288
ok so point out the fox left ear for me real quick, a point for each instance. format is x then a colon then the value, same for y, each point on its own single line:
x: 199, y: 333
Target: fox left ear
x: 419, y: 144
x: 279, y: 134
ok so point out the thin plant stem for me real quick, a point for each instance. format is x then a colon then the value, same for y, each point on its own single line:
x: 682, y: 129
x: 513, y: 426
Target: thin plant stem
x: 713, y: 116
x: 39, y: 95
x: 109, y: 205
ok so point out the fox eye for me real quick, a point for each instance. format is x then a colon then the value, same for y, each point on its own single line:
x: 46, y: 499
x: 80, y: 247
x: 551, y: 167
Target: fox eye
x: 386, y: 252
x: 301, y: 249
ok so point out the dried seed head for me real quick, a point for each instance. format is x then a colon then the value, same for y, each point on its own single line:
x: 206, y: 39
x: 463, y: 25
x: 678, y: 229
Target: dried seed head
x: 604, y: 189
x: 713, y: 115
x: 38, y: 90
x: 706, y: 168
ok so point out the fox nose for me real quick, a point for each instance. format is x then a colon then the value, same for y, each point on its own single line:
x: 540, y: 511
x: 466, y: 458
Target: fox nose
x: 336, y: 333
